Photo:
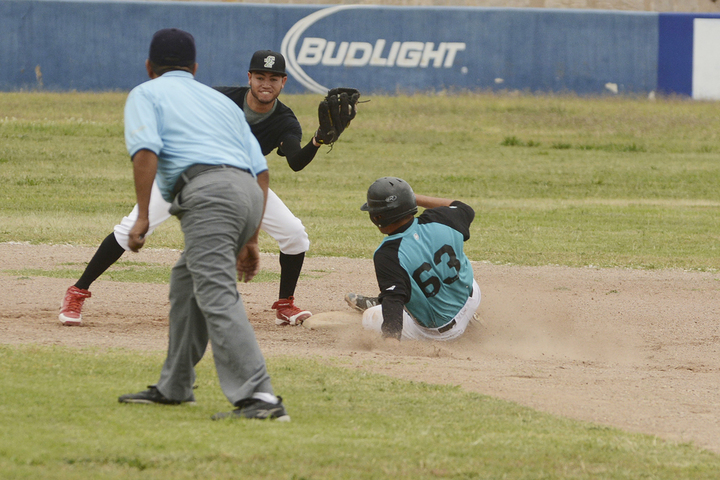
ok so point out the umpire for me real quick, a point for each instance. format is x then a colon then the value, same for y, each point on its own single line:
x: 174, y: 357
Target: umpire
x: 197, y: 145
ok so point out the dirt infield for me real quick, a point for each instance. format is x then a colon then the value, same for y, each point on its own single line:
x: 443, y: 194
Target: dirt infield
x: 638, y: 350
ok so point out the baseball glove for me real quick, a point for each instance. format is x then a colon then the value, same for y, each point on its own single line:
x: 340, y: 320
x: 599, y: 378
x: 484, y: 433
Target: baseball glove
x: 335, y: 112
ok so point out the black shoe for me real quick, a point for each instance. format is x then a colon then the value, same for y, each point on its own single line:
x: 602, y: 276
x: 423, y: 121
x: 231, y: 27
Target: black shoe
x: 153, y: 395
x: 255, y: 408
x: 358, y: 302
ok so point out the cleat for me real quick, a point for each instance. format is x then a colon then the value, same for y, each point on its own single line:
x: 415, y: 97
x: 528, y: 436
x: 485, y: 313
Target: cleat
x: 71, y: 306
x: 476, y: 320
x: 361, y: 303
x: 153, y: 395
x: 254, y: 408
x: 288, y: 314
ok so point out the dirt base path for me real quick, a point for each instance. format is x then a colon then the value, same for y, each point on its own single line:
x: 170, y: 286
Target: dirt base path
x: 638, y: 350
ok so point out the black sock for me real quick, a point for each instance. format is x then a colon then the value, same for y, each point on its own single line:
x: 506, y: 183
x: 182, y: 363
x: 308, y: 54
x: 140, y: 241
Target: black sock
x: 290, y: 267
x: 107, y: 253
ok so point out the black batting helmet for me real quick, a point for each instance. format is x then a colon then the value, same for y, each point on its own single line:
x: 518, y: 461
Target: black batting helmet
x: 389, y: 199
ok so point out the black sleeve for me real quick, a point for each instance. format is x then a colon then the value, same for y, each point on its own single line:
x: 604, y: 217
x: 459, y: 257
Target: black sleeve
x: 392, y: 310
x: 236, y: 94
x: 457, y: 216
x: 391, y: 277
x: 298, y: 158
x: 395, y: 287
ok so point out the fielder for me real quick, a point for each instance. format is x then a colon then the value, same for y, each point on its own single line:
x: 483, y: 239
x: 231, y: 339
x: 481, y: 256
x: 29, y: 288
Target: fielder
x: 275, y: 126
x: 427, y: 289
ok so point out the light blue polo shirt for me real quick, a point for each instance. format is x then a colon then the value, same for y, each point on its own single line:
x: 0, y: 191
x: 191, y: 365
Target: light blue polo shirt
x: 185, y: 122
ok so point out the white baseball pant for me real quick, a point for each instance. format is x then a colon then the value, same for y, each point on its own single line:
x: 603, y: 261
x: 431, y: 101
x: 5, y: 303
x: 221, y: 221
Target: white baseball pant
x: 373, y: 320
x: 278, y: 221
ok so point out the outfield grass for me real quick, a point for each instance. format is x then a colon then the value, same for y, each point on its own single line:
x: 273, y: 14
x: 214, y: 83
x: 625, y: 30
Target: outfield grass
x: 553, y: 179
x: 60, y: 420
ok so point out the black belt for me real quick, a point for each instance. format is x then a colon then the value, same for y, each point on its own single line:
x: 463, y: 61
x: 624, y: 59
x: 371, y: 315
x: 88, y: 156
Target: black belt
x: 447, y: 326
x: 194, y: 170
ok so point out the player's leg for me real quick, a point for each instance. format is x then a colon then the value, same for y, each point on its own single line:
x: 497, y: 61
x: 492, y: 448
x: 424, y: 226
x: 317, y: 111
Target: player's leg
x: 465, y: 315
x: 280, y: 223
x: 222, y: 212
x: 290, y: 268
x: 158, y: 212
x: 361, y: 302
x: 187, y: 341
x: 71, y: 306
x: 105, y: 256
x: 373, y: 320
x: 109, y: 252
x: 187, y: 338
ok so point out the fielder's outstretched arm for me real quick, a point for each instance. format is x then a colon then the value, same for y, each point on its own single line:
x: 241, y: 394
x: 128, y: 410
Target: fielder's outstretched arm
x: 297, y: 157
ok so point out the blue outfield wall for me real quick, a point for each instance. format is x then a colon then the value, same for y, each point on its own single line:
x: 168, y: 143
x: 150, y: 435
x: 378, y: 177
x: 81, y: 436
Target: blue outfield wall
x: 102, y: 45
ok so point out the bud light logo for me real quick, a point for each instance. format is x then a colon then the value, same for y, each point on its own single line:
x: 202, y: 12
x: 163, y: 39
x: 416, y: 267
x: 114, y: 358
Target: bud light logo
x: 359, y: 54
x: 316, y: 51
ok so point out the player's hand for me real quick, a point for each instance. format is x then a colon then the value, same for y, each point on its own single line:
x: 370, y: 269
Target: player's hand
x: 136, y: 237
x: 248, y: 262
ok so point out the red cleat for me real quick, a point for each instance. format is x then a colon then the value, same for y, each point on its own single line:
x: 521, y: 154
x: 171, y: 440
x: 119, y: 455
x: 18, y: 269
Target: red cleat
x: 72, y: 305
x: 288, y: 314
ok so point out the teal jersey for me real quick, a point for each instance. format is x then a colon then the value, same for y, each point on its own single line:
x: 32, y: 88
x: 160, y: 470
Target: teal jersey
x: 425, y: 264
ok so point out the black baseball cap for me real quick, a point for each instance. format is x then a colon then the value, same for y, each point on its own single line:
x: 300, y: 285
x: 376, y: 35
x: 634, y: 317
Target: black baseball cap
x: 267, y: 61
x: 172, y: 47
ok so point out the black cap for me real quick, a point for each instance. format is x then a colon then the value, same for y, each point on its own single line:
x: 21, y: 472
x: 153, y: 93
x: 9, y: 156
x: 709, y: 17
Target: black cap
x: 267, y: 61
x: 172, y: 47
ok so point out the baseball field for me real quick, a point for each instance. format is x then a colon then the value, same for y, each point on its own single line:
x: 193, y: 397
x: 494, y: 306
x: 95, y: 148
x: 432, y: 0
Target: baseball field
x: 595, y: 245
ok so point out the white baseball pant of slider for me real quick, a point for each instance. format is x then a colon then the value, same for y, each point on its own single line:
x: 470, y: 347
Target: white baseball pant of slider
x: 373, y: 320
x: 278, y: 221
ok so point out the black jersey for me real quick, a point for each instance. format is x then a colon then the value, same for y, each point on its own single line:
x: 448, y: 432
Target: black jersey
x: 281, y: 125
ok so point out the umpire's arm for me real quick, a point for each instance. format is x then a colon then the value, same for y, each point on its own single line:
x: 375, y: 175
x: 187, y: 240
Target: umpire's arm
x: 144, y: 170
x: 248, y: 260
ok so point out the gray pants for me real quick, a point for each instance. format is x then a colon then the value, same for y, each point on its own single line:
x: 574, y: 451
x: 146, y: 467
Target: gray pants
x: 219, y: 211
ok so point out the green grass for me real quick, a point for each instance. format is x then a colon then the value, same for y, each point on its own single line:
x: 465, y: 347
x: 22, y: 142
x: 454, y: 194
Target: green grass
x: 61, y: 420
x: 633, y: 181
